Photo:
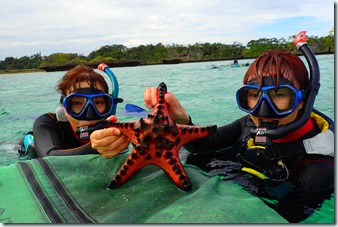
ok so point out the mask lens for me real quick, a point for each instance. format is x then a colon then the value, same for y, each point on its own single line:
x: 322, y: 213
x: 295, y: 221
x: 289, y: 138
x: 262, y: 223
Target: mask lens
x: 76, y: 104
x: 283, y: 99
x: 253, y: 97
x: 102, y: 104
x: 247, y: 98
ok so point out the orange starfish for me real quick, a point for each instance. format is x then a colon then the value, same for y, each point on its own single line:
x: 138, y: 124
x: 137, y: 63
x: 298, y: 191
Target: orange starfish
x: 157, y: 140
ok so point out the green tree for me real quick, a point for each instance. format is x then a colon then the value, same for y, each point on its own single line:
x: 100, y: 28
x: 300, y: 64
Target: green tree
x: 115, y: 51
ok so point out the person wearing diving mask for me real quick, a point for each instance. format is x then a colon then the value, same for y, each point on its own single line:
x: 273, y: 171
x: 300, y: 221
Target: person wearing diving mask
x: 84, y: 103
x: 292, y: 171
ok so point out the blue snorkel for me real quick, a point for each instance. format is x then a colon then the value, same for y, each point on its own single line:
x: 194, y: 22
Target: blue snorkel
x: 115, y: 93
x: 265, y: 134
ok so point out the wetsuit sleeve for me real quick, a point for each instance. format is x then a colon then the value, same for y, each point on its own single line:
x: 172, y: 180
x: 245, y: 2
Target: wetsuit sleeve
x: 224, y: 137
x: 315, y: 184
x: 49, y: 139
x: 317, y: 173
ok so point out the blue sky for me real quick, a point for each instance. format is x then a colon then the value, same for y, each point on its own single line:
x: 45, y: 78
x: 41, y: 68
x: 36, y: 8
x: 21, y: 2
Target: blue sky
x: 82, y: 26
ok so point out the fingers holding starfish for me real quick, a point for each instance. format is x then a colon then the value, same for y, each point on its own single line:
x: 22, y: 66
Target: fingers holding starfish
x: 109, y: 141
x: 175, y: 109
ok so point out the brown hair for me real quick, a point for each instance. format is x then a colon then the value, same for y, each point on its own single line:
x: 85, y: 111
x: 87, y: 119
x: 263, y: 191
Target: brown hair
x: 78, y: 74
x: 278, y: 64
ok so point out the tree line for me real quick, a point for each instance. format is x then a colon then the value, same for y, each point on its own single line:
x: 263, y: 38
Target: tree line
x: 120, y: 55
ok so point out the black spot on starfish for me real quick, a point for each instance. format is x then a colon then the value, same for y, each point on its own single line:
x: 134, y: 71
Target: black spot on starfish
x: 157, y: 140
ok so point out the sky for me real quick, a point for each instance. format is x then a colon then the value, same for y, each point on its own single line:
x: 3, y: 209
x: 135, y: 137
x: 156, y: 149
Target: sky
x: 83, y: 26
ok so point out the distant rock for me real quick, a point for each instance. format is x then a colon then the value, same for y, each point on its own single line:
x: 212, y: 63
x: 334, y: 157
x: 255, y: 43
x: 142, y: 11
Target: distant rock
x: 171, y: 61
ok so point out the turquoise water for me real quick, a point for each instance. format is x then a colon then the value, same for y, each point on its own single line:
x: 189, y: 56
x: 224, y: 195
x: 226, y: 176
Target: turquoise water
x: 206, y: 90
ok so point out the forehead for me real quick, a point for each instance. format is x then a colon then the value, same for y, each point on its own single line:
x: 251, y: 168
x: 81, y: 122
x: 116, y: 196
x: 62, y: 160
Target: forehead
x: 85, y: 84
x: 269, y: 81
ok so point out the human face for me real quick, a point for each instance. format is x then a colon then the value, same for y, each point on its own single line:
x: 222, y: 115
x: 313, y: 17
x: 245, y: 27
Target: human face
x: 77, y: 105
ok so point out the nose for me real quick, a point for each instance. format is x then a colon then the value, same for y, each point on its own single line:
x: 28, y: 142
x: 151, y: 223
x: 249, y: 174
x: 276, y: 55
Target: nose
x: 91, y: 113
x: 264, y: 110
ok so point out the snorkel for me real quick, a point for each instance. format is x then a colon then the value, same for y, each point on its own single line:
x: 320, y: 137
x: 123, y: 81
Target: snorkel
x: 115, y: 93
x: 264, y: 135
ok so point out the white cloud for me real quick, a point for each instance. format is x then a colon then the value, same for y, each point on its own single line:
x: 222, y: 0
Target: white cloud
x: 81, y: 26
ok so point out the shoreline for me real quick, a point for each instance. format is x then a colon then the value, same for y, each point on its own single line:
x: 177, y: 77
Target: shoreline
x: 16, y: 71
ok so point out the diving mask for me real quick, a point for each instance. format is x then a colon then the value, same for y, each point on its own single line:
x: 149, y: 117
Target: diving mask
x: 88, y: 104
x: 268, y: 101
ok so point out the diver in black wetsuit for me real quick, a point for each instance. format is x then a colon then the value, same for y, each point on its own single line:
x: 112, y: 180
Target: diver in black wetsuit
x: 277, y: 152
x: 84, y: 103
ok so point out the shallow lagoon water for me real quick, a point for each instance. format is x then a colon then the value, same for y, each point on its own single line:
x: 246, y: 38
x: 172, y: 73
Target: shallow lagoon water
x: 206, y: 90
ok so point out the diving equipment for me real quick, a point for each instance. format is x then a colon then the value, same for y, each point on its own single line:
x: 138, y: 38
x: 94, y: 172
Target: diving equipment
x: 88, y: 104
x: 257, y: 160
x: 85, y: 131
x: 115, y: 93
x: 268, y: 101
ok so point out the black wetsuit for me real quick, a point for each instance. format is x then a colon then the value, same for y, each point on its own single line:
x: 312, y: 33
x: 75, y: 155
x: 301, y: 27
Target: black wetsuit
x: 310, y: 176
x: 53, y: 137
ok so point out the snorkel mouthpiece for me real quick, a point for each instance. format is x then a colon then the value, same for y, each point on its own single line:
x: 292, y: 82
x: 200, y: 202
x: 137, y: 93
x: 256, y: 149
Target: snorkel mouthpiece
x: 310, y: 95
x: 84, y: 131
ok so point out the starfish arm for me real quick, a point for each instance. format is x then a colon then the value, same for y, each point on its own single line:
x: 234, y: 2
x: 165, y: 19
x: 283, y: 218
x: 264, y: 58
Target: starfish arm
x: 130, y: 166
x: 126, y: 128
x: 188, y: 133
x: 175, y: 171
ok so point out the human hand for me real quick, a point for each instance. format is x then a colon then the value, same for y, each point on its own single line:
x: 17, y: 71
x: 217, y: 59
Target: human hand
x: 175, y: 109
x: 109, y: 141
